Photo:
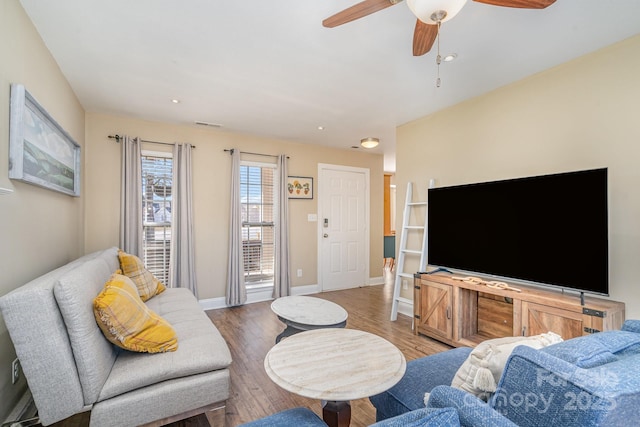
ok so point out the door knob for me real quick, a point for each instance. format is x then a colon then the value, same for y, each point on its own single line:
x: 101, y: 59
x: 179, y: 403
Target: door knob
x: 325, y: 235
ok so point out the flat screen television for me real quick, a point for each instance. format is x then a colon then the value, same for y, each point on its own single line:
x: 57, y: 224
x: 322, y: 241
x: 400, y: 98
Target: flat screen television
x: 549, y: 230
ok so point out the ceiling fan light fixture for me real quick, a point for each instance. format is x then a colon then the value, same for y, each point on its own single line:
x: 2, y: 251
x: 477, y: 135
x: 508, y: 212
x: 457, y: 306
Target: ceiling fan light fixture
x: 430, y: 11
x: 369, y: 142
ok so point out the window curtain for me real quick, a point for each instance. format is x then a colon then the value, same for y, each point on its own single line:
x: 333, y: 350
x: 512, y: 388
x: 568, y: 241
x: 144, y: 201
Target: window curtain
x: 182, y: 271
x: 236, y: 292
x: 131, y: 197
x: 281, y: 276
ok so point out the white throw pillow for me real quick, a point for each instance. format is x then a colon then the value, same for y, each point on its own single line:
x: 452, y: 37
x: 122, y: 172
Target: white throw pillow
x: 480, y: 373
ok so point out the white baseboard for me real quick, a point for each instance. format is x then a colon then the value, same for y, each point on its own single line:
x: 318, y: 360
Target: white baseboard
x: 306, y: 290
x: 405, y: 308
x: 260, y: 295
x: 257, y: 295
x: 213, y: 303
x: 376, y: 281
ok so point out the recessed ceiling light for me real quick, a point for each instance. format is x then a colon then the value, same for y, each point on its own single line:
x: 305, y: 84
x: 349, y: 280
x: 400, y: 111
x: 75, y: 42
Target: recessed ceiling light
x: 175, y: 101
x: 450, y: 57
x: 320, y: 127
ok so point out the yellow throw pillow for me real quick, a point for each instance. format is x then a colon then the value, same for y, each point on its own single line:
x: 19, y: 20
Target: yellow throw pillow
x: 127, y: 322
x: 148, y: 285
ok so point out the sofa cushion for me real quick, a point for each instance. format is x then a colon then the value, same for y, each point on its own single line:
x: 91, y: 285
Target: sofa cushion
x: 421, y: 376
x: 37, y: 329
x: 472, y: 412
x: 161, y: 401
x: 202, y: 348
x: 441, y: 417
x: 539, y: 389
x: 133, y: 267
x: 480, y: 373
x: 631, y: 325
x: 299, y: 417
x: 127, y: 322
x: 590, y: 351
x: 94, y: 355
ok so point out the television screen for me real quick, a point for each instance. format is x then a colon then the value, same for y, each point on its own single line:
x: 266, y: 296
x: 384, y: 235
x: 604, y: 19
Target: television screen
x: 550, y: 229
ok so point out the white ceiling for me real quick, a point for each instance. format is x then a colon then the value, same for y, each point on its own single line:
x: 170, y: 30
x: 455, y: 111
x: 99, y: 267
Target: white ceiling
x: 271, y: 69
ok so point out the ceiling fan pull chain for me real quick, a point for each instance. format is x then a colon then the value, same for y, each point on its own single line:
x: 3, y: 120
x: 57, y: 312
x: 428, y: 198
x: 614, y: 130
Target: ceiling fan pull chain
x: 438, y: 58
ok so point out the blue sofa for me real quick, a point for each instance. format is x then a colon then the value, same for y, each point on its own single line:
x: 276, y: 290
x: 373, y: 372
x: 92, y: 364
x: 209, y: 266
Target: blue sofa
x: 587, y: 381
x: 304, y: 417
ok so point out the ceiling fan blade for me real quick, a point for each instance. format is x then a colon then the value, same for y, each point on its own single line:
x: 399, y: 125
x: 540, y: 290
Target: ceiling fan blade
x: 367, y: 7
x: 523, y: 4
x: 423, y: 37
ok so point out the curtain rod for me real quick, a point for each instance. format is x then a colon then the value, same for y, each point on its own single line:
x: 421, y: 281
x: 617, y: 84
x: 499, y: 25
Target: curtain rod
x: 118, y: 138
x: 230, y: 150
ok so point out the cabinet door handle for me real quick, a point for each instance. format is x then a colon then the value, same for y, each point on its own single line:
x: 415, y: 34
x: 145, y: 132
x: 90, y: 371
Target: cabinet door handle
x: 448, y: 312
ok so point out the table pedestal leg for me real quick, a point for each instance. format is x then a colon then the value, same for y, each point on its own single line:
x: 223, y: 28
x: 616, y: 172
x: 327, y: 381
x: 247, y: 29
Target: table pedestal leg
x: 287, y: 333
x: 336, y: 413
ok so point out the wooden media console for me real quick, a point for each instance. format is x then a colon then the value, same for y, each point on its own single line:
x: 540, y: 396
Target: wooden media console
x: 462, y: 313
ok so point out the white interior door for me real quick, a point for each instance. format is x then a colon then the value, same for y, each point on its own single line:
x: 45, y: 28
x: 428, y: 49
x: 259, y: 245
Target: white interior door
x: 343, y: 202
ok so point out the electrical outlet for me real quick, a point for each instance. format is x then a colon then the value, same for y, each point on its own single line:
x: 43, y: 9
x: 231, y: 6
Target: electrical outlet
x: 15, y: 371
x: 299, y: 272
x: 405, y: 284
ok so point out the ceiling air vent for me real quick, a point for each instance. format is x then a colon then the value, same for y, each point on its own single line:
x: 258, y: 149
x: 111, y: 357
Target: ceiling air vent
x: 213, y: 125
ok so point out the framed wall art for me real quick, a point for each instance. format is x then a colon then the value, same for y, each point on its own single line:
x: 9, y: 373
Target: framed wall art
x: 40, y: 151
x: 300, y: 187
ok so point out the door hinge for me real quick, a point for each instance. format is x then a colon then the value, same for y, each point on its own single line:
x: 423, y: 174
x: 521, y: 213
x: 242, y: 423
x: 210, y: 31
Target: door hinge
x: 594, y: 313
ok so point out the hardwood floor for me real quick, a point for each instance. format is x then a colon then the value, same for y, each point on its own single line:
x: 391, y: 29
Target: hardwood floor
x: 250, y: 332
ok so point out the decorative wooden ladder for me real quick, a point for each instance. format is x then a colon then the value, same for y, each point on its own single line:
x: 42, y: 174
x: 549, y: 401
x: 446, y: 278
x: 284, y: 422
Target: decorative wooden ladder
x: 405, y: 251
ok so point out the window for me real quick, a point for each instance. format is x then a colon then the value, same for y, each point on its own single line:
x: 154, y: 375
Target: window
x: 258, y: 199
x: 157, y: 176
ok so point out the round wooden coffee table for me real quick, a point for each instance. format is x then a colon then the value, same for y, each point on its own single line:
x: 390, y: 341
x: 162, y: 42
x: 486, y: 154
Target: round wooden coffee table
x: 336, y: 366
x: 301, y: 313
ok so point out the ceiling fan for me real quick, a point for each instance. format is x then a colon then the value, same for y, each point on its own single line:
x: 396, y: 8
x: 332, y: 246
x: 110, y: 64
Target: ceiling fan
x: 430, y: 13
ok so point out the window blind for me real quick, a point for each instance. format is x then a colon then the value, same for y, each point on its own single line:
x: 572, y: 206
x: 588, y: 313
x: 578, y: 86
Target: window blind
x: 157, y: 176
x: 257, y: 194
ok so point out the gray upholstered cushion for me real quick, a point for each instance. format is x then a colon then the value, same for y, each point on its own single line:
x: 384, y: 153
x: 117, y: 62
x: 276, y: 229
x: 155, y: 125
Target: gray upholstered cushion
x: 32, y: 316
x: 110, y: 256
x: 161, y: 400
x: 201, y: 348
x: 94, y: 355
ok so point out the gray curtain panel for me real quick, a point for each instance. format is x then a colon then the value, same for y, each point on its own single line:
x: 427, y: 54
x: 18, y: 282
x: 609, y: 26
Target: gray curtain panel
x: 281, y: 277
x: 236, y: 292
x: 182, y: 270
x: 131, y: 197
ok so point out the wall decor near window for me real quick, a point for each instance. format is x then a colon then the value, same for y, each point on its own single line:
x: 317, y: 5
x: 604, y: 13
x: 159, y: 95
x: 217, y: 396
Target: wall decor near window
x: 300, y: 187
x: 40, y: 151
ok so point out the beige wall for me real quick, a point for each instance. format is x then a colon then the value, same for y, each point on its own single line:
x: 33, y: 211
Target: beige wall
x: 40, y: 229
x: 580, y: 115
x: 211, y: 169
